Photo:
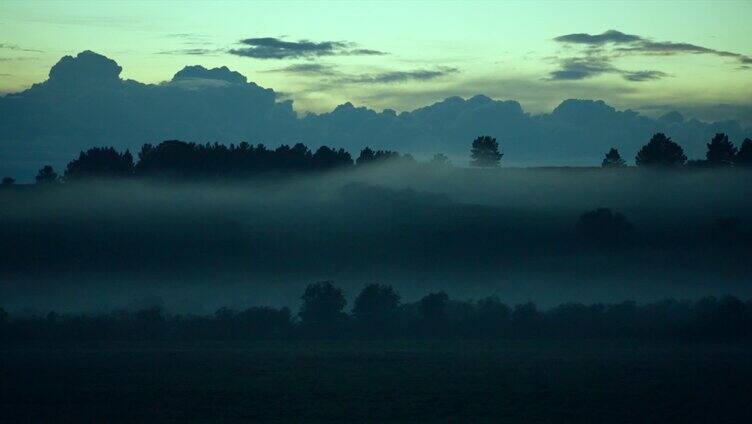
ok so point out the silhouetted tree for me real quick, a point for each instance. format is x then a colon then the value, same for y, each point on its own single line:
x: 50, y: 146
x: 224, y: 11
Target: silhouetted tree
x: 366, y: 156
x: 721, y: 152
x: 46, y: 175
x: 485, y: 152
x: 603, y: 227
x: 298, y: 158
x: 150, y: 322
x: 708, y: 318
x: 376, y: 308
x: 100, y: 162
x: 322, y: 305
x: 613, y: 159
x: 493, y: 317
x: 660, y: 152
x: 433, y: 307
x: 169, y: 158
x: 369, y: 156
x: 526, y: 320
x: 744, y: 156
x: 406, y: 158
x: 327, y: 158
x: 440, y: 159
x: 265, y: 322
x: 8, y: 181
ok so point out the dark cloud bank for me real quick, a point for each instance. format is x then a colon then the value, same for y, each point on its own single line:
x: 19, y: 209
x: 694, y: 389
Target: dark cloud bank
x: 85, y: 103
x: 597, y: 51
x: 275, y: 48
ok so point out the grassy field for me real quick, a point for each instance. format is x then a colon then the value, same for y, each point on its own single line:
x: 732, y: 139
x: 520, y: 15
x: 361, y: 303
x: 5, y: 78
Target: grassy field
x: 457, y: 381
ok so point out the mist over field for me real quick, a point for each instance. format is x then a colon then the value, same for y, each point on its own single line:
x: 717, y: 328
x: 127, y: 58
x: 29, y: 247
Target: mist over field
x: 196, y: 246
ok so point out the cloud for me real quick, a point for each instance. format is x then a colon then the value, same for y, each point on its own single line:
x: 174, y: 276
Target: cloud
x: 708, y: 112
x: 401, y: 76
x: 219, y: 74
x: 17, y: 48
x: 367, y: 52
x: 580, y: 68
x: 332, y: 77
x: 643, y: 75
x: 191, y: 52
x: 307, y: 69
x: 188, y: 35
x: 601, y: 49
x: 275, y: 48
x: 635, y: 44
x: 191, y: 39
x: 610, y: 36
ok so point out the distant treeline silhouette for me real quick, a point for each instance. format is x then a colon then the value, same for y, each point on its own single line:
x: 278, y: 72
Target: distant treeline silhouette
x: 377, y: 313
x: 178, y: 159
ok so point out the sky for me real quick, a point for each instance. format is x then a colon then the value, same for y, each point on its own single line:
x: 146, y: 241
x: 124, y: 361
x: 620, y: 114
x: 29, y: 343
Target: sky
x: 401, y: 55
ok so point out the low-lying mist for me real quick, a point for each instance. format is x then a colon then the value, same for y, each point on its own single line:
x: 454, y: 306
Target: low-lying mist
x: 195, y: 246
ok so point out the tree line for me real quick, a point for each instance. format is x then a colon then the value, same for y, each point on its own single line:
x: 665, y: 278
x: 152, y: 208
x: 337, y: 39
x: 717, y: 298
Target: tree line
x: 179, y: 159
x: 378, y: 313
x: 661, y: 151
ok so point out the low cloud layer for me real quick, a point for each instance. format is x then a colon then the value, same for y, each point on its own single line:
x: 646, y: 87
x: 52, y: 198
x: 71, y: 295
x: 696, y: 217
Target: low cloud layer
x: 276, y: 48
x: 331, y: 75
x: 307, y: 69
x: 402, y: 76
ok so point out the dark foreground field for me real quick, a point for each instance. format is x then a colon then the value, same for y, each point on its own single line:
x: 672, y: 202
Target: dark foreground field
x: 591, y: 381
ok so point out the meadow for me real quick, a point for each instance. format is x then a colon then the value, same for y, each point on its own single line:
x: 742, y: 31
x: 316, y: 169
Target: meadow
x: 380, y: 381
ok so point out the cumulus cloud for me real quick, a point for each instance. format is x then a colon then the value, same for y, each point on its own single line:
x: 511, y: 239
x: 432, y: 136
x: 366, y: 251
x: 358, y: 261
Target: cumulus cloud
x: 220, y: 74
x: 276, y: 48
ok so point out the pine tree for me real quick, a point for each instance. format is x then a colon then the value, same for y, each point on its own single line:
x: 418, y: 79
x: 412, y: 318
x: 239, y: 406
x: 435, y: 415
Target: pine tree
x: 721, y: 152
x: 613, y: 159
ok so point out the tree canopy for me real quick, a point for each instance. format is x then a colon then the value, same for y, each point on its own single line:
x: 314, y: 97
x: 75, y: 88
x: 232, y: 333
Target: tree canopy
x: 485, y: 152
x: 721, y: 152
x: 613, y: 159
x: 47, y: 175
x: 661, y: 151
x: 323, y: 303
x: 744, y: 156
x: 100, y: 162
